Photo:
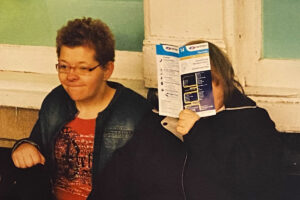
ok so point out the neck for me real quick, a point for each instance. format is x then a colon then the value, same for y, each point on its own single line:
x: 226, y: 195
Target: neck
x: 89, y: 109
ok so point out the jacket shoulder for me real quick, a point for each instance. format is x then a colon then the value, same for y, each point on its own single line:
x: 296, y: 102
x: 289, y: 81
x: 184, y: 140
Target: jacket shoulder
x: 134, y: 101
x: 256, y: 114
x: 55, y: 99
x: 54, y: 93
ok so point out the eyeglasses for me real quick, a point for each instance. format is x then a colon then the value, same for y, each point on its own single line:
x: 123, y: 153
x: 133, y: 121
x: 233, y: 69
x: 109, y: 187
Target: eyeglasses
x: 65, y: 69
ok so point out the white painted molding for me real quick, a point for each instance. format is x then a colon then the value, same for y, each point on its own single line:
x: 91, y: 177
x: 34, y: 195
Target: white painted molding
x: 40, y: 59
x: 22, y: 58
x: 252, y: 68
x: 128, y: 65
x: 282, y: 104
x: 283, y: 111
x: 184, y: 18
x: 25, y: 90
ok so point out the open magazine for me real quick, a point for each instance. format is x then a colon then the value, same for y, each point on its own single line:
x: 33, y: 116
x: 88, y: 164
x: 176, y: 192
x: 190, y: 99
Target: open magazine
x: 184, y: 79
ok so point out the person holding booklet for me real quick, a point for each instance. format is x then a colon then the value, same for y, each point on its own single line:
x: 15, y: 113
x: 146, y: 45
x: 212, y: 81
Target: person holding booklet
x: 233, y: 155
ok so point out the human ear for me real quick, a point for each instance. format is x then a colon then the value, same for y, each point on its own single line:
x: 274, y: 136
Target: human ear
x: 109, y: 68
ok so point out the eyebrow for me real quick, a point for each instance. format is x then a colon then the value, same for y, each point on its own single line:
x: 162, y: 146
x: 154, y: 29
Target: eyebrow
x: 81, y: 62
x: 64, y: 61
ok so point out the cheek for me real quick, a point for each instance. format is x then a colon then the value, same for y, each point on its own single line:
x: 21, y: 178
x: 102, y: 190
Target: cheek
x: 60, y: 77
x: 94, y: 82
x: 218, y: 95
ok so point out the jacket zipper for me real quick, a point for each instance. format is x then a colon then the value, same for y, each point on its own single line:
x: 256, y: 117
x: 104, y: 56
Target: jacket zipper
x: 182, y: 176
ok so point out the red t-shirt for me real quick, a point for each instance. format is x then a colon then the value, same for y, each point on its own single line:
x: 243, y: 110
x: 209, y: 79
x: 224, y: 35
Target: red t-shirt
x: 74, y: 157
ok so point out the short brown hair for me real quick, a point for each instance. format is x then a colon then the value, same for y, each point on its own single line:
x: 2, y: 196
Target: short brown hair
x: 88, y: 32
x: 222, y: 68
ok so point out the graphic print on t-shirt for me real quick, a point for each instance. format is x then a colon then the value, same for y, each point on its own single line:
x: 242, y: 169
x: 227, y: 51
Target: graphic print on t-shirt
x: 74, y: 156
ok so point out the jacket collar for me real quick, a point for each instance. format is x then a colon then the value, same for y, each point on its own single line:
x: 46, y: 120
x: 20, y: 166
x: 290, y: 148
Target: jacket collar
x: 119, y: 90
x: 239, y: 101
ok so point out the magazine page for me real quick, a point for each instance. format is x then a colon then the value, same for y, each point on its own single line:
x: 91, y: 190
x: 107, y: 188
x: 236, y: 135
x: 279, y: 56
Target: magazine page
x: 169, y: 86
x: 195, y: 72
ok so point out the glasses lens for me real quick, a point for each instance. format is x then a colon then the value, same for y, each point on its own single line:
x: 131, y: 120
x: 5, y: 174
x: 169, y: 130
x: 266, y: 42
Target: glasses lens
x: 61, y: 68
x: 83, y: 70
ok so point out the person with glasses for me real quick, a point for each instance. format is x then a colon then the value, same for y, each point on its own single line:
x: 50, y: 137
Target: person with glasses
x: 85, y: 119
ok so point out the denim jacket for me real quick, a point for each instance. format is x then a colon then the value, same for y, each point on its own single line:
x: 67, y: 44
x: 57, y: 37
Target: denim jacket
x: 114, y: 125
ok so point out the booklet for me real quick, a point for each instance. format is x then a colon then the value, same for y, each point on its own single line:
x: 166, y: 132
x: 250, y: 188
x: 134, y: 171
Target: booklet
x: 184, y: 79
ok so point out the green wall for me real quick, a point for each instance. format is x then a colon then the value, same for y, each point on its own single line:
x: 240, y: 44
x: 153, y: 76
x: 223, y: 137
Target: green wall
x: 281, y: 29
x: 35, y: 22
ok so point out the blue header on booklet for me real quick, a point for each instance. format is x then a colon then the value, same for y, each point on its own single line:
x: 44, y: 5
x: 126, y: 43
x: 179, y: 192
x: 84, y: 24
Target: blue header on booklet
x: 166, y: 50
x: 192, y: 50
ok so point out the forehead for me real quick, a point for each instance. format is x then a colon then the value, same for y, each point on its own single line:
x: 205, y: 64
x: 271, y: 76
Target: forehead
x: 77, y: 54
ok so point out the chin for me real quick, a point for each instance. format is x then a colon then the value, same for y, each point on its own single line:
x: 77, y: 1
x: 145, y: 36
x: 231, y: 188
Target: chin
x: 75, y: 96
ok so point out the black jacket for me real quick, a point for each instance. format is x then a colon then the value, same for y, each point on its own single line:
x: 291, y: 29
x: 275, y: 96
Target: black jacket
x: 234, y: 155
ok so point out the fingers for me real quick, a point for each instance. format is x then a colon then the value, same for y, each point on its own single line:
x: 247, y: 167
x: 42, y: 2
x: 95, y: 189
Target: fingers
x: 42, y: 159
x: 16, y: 162
x: 182, y: 130
x: 183, y: 127
x: 36, y: 159
x: 188, y: 115
x: 187, y: 119
x: 27, y: 155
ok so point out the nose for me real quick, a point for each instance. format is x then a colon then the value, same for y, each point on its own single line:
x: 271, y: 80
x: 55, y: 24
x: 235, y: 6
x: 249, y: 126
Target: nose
x: 71, y: 75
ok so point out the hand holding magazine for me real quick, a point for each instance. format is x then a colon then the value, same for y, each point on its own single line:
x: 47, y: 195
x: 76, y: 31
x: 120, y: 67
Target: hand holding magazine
x: 184, y: 79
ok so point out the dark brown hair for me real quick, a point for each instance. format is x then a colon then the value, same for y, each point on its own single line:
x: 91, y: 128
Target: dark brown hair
x: 222, y: 69
x: 88, y: 32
